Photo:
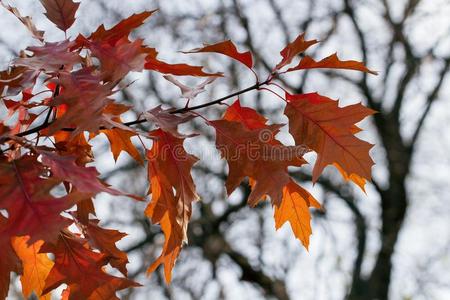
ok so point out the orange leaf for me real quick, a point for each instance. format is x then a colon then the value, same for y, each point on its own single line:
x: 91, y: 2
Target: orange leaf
x: 36, y: 266
x: 229, y: 49
x: 119, y: 140
x: 294, y: 208
x: 173, y: 192
x: 320, y: 124
x: 299, y: 45
x: 330, y: 62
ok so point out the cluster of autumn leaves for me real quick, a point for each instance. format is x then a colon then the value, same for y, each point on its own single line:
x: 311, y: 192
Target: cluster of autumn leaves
x: 46, y: 187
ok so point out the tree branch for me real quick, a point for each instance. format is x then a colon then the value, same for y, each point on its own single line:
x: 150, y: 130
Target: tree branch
x: 139, y: 121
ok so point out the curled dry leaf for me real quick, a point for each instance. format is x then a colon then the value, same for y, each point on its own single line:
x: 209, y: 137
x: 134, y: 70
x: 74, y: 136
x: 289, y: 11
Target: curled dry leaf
x: 27, y: 21
x: 190, y: 93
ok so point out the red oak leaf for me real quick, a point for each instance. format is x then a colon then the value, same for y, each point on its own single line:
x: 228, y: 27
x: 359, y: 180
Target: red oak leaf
x: 9, y: 261
x: 294, y: 208
x: 299, y: 45
x: 81, y: 269
x: 152, y: 63
x: 85, y: 97
x: 36, y: 266
x: 50, y: 57
x: 229, y: 49
x: 105, y: 240
x: 118, y: 60
x: 25, y: 195
x: 121, y: 29
x: 330, y: 62
x: 16, y: 79
x: 320, y: 124
x: 173, y: 192
x: 61, y: 12
x: 255, y: 153
x: 83, y: 178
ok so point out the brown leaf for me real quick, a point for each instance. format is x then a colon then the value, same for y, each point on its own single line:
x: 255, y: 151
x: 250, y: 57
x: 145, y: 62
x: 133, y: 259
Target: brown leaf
x: 27, y: 21
x: 61, y: 12
x: 167, y: 121
x: 252, y: 151
x: 320, y: 124
x: 173, y: 192
x: 105, y: 240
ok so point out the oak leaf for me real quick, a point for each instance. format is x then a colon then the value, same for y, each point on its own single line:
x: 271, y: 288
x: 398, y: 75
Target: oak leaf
x: 105, y: 240
x: 50, y: 57
x: 25, y: 195
x: 36, y: 266
x: 119, y: 140
x: 153, y: 63
x: 298, y: 46
x: 330, y: 62
x: 167, y: 121
x: 190, y: 93
x: 81, y: 269
x: 173, y: 192
x: 294, y: 208
x: 229, y: 49
x: 319, y: 123
x: 85, y: 97
x: 121, y: 29
x: 83, y: 178
x: 252, y: 151
x: 119, y: 59
x: 61, y: 12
